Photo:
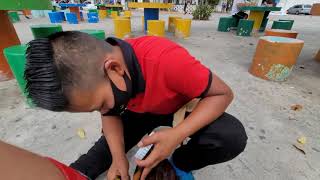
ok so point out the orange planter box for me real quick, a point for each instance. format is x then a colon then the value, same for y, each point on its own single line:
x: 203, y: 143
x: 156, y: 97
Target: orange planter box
x: 281, y: 33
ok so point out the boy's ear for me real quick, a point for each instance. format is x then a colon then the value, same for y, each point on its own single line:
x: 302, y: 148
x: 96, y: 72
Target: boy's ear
x: 112, y: 67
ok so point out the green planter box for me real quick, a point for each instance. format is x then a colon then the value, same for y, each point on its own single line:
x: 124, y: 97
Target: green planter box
x: 99, y: 34
x: 225, y: 24
x: 16, y: 58
x: 245, y: 27
x: 286, y: 25
x: 14, y: 16
x: 44, y: 30
x: 291, y: 21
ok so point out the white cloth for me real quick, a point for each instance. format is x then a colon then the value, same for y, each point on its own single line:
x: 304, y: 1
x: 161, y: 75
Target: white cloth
x: 235, y: 8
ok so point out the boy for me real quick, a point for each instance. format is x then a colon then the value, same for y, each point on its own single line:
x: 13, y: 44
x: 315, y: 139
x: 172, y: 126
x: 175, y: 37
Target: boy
x: 136, y: 85
x: 236, y: 12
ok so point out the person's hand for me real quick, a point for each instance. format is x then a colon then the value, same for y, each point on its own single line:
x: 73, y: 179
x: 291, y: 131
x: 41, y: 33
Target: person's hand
x: 119, y: 168
x: 165, y: 142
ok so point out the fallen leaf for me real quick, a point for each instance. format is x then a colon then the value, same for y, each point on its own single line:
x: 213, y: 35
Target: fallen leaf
x: 299, y: 147
x: 302, y: 140
x: 296, y: 107
x: 81, y: 133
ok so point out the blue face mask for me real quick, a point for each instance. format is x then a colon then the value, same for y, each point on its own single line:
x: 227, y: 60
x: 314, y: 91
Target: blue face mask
x: 121, y: 98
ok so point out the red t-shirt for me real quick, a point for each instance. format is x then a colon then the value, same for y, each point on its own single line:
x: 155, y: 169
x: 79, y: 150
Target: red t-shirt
x: 172, y: 76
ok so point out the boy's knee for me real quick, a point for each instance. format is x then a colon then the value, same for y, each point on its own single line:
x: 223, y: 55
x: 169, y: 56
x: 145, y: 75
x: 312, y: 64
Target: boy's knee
x: 236, y: 143
x: 231, y: 135
x: 235, y: 139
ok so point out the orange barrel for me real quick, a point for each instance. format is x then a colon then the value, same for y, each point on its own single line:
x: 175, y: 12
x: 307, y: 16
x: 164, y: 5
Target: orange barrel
x: 26, y: 12
x: 317, y: 57
x: 315, y: 10
x: 275, y: 57
x: 281, y: 33
x: 8, y: 37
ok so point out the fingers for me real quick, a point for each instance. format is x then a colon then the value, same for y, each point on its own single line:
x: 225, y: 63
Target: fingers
x: 145, y: 173
x: 116, y: 176
x: 125, y: 175
x: 147, y: 140
x: 111, y: 175
x: 151, y: 159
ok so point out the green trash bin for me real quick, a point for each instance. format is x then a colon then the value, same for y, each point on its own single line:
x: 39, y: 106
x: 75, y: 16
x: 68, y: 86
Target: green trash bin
x: 225, y: 24
x: 44, y: 30
x: 245, y: 27
x: 291, y: 21
x: 16, y: 58
x: 14, y: 16
x: 99, y: 34
x: 286, y: 25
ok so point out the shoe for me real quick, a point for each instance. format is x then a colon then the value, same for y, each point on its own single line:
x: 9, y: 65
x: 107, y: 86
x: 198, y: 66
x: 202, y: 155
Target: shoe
x: 182, y: 175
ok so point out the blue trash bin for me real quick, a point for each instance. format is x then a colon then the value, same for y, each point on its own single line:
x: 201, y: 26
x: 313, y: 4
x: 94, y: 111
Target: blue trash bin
x: 55, y: 17
x: 62, y: 17
x: 93, y: 17
x: 72, y: 18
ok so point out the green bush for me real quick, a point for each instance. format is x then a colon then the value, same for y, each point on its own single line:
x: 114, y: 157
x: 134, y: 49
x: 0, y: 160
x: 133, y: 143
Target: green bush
x: 202, y: 12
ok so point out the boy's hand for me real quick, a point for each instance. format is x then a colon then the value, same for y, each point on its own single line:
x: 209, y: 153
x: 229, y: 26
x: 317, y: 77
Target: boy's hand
x: 165, y: 142
x: 119, y: 168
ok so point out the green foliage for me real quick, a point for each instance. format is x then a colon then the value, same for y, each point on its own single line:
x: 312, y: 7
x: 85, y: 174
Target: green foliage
x: 202, y: 12
x: 213, y: 2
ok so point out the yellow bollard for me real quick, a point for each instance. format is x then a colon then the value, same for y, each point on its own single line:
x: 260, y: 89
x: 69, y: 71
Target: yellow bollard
x: 122, y: 27
x: 127, y: 13
x: 183, y: 27
x: 156, y: 28
x: 123, y: 17
x: 114, y: 14
x: 102, y: 14
x: 142, y: 20
x: 172, y: 23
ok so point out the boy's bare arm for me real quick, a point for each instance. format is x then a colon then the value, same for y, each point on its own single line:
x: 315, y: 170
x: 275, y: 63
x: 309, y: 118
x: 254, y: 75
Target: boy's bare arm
x: 208, y: 109
x: 113, y: 132
x: 17, y: 164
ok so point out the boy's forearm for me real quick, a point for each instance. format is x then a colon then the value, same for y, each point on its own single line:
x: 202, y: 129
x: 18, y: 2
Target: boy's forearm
x: 207, y: 110
x: 113, y: 132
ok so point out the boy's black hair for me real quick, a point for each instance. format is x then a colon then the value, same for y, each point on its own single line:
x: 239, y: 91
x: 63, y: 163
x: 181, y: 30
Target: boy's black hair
x: 58, y: 64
